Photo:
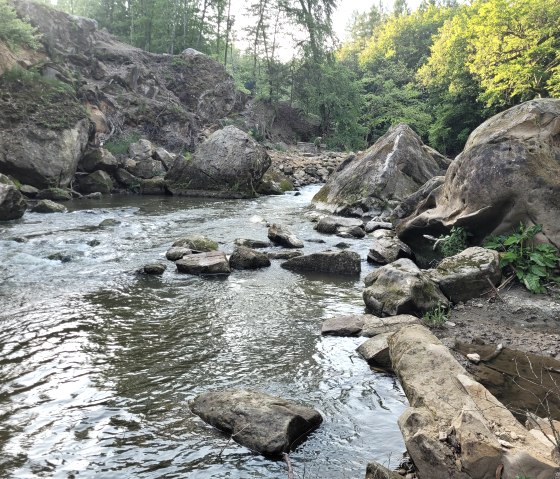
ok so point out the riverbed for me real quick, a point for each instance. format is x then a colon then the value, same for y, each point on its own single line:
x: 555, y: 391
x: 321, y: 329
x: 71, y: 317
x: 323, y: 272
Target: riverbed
x: 98, y: 363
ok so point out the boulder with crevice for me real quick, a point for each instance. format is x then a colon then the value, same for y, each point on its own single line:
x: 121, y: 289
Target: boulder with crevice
x: 386, y: 247
x: 330, y: 262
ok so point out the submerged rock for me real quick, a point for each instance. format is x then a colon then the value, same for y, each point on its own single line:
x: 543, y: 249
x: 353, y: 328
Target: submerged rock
x: 155, y: 269
x: 54, y: 194
x: 332, y: 262
x: 284, y: 237
x: 266, y: 424
x: 210, y: 263
x: 12, y: 202
x: 247, y: 258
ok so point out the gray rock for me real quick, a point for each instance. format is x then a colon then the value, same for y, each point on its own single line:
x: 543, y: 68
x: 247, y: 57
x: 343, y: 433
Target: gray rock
x: 392, y: 169
x: 145, y: 169
x: 283, y: 237
x: 196, y: 242
x: 153, y: 186
x: 425, y: 194
x: 166, y: 158
x: 155, y: 269
x: 229, y: 164
x: 376, y: 351
x: 210, y: 263
x: 498, y: 180
x: 284, y: 254
x: 401, y: 288
x: 386, y: 247
x: 332, y: 262
x: 468, y: 274
x: 48, y: 206
x: 29, y: 191
x: 93, y: 196
x: 333, y: 224
x: 373, y: 225
x: 377, y: 471
x: 12, y: 202
x: 109, y: 222
x: 177, y: 252
x: 266, y: 424
x: 54, y: 194
x: 366, y: 325
x: 127, y: 179
x: 251, y: 243
x: 142, y: 150
x: 98, y: 181
x: 247, y: 258
x: 98, y: 159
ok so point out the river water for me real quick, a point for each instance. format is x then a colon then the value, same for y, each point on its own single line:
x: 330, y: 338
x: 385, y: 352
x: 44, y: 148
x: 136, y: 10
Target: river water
x: 97, y: 364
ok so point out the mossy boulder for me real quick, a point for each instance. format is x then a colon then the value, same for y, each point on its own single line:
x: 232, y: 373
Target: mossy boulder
x: 48, y: 206
x: 196, y: 242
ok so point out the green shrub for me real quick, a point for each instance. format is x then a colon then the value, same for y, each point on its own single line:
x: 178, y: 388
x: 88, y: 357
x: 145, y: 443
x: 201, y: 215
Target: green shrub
x: 15, y: 32
x: 120, y: 144
x: 532, y: 263
x: 453, y: 243
x: 436, y: 317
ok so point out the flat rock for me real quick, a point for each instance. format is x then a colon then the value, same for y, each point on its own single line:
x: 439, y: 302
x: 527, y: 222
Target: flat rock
x: 209, y: 263
x: 283, y: 237
x: 266, y: 424
x: 366, y: 325
x: 284, y: 254
x: 247, y: 258
x: 373, y: 225
x: 333, y: 262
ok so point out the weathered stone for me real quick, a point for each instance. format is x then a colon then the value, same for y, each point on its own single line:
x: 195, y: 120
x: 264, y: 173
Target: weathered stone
x: 377, y: 471
x: 274, y: 183
x: 247, y: 258
x: 468, y: 274
x: 263, y: 423
x: 98, y: 181
x: 284, y: 254
x: 283, y: 237
x: 425, y: 193
x: 166, y: 158
x: 142, y: 150
x: 229, y: 164
x: 196, y: 242
x: 376, y: 351
x: 29, y: 191
x: 146, y: 169
x: 12, y: 202
x: 401, y: 288
x: 386, y: 247
x: 155, y: 269
x: 177, y: 252
x: 210, y: 263
x: 366, y: 325
x: 351, y: 232
x: 508, y: 173
x: 393, y: 168
x: 373, y: 225
x: 332, y: 262
x: 251, y: 243
x: 54, y: 194
x: 98, y: 159
x: 48, y: 206
x: 333, y: 224
x: 153, y: 186
x: 127, y: 179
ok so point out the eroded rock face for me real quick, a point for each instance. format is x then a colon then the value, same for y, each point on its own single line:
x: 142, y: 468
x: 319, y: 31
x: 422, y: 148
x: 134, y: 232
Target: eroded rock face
x: 509, y: 172
x: 98, y: 159
x: 229, y: 164
x: 401, y: 288
x: 12, y: 202
x: 332, y: 262
x: 263, y: 423
x: 392, y: 169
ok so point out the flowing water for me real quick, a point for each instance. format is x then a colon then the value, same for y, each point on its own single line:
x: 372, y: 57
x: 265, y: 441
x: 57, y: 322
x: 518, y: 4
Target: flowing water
x: 97, y: 363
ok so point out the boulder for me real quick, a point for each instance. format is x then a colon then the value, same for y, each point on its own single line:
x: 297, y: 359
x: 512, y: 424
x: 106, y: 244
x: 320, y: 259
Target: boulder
x: 229, y: 164
x: 508, y: 173
x: 156, y: 269
x: 401, y: 288
x: 266, y: 424
x: 146, y: 169
x: 153, y: 186
x: 29, y: 191
x: 54, y: 194
x: 210, y: 263
x: 378, y: 180
x: 98, y: 159
x: 331, y: 262
x: 376, y: 351
x: 351, y: 232
x: 98, y: 181
x: 177, y: 252
x: 142, y: 150
x: 386, y: 247
x: 131, y: 182
x: 284, y: 254
x: 333, y: 224
x: 468, y: 274
x: 374, y: 225
x: 247, y: 258
x: 48, y: 206
x: 454, y: 427
x: 12, y: 202
x: 166, y: 158
x: 251, y: 243
x: 377, y: 471
x: 283, y: 237
x: 196, y: 242
x: 275, y: 183
x: 366, y: 325
x: 424, y: 194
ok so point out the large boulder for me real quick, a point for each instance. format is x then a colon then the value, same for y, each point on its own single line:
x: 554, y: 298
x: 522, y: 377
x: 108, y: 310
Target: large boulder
x: 229, y: 164
x: 332, y: 262
x: 263, y: 423
x: 12, y: 202
x: 377, y: 181
x: 401, y: 288
x: 509, y: 172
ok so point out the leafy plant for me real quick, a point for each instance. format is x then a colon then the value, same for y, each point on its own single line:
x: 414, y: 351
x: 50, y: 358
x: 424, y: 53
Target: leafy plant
x: 436, y: 317
x: 532, y: 263
x: 453, y: 243
x: 16, y: 32
x: 119, y: 145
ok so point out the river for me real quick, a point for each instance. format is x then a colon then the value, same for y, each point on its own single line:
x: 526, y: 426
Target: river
x: 97, y: 363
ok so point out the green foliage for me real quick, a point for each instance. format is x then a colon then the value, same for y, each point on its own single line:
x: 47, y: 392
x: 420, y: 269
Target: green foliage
x: 532, y: 263
x: 15, y: 32
x: 437, y: 317
x: 119, y: 145
x: 453, y: 243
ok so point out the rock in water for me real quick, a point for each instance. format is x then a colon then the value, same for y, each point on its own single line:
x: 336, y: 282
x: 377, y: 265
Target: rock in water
x: 333, y: 224
x: 48, y: 206
x: 247, y: 258
x: 263, y: 423
x: 229, y: 164
x: 210, y: 263
x: 156, y: 269
x: 332, y: 262
x: 196, y: 242
x: 12, y: 202
x: 508, y: 173
x: 375, y: 182
x: 284, y: 237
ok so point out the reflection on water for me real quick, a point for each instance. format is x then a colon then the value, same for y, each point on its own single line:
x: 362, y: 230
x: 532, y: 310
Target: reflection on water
x: 97, y: 364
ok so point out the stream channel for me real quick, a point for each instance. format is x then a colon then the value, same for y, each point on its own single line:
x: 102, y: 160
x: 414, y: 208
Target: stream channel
x: 97, y: 363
